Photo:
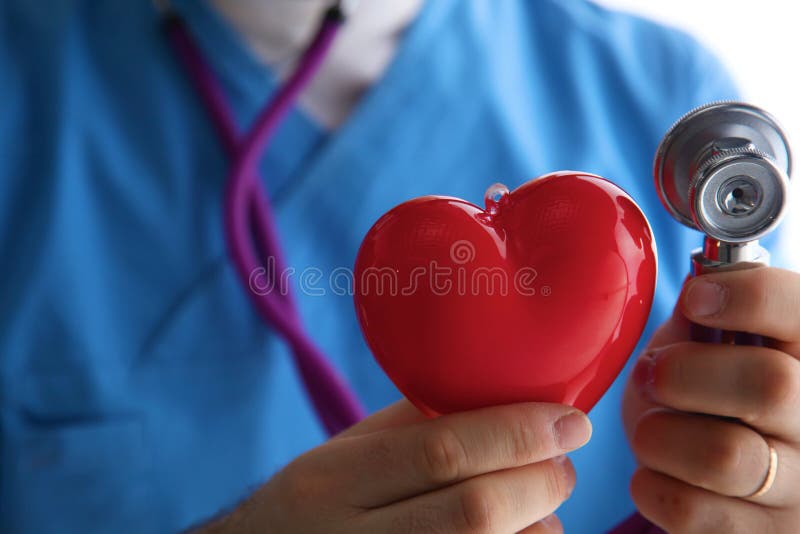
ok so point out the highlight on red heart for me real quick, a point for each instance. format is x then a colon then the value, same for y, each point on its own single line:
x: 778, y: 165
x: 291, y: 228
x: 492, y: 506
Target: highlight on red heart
x: 541, y: 295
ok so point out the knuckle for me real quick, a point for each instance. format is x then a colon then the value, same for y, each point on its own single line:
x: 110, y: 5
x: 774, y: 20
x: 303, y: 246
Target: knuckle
x: 299, y: 486
x: 761, y: 291
x: 722, y: 460
x: 779, y: 384
x: 685, y: 513
x: 726, y: 522
x: 751, y: 297
x: 478, y: 508
x: 525, y: 441
x: 647, y: 427
x: 381, y: 451
x: 677, y: 510
x: 555, y: 483
x: 443, y: 455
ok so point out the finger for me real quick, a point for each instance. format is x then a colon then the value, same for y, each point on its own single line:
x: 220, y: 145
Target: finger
x: 759, y: 385
x: 679, y: 507
x: 401, y: 413
x: 390, y: 465
x: 761, y: 300
x: 673, y: 330
x: 549, y: 525
x: 502, y: 501
x: 715, y: 454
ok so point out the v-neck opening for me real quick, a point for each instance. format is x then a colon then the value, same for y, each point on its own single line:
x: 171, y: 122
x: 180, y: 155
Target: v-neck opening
x: 226, y: 51
x: 412, y: 40
x: 241, y: 71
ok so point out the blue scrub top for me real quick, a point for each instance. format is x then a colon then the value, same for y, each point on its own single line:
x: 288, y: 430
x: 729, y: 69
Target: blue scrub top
x: 140, y: 392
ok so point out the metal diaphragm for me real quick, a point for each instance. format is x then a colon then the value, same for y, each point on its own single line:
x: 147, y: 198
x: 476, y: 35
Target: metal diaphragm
x: 724, y: 168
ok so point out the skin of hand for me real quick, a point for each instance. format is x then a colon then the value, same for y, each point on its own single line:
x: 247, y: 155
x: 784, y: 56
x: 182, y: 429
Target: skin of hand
x: 699, y: 415
x: 499, y: 469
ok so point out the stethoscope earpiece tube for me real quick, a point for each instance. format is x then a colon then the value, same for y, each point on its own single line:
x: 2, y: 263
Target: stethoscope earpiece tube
x: 248, y: 221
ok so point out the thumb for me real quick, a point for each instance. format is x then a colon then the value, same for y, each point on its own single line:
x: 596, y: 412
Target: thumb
x: 400, y: 413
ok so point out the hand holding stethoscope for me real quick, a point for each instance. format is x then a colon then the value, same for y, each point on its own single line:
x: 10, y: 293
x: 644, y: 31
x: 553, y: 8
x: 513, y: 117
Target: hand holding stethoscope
x: 713, y: 409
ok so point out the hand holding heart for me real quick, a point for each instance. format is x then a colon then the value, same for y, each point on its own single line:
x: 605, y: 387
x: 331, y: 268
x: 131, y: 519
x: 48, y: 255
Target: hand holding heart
x: 701, y: 417
x: 497, y: 469
x: 574, y: 263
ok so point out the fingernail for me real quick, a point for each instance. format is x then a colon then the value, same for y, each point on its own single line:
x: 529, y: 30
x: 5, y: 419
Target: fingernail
x: 551, y: 521
x: 704, y: 298
x: 567, y: 470
x: 644, y: 373
x: 572, y: 430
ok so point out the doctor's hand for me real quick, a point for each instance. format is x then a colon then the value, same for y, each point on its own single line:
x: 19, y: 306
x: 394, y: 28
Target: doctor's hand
x: 703, y: 419
x: 497, y: 469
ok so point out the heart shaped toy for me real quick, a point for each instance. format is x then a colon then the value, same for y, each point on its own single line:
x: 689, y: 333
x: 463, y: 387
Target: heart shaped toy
x: 541, y: 296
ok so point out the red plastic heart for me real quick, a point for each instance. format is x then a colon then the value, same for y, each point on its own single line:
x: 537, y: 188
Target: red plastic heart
x: 541, y: 296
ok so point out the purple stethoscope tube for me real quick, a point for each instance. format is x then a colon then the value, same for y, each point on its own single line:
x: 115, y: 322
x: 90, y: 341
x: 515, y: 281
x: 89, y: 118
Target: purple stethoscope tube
x: 248, y: 219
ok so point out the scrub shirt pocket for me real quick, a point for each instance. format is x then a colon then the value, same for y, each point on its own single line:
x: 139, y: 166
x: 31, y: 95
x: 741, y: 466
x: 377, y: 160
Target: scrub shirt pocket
x: 77, y: 476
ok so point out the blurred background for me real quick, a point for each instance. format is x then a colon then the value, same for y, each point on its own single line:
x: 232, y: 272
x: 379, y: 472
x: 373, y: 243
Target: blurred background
x: 757, y: 41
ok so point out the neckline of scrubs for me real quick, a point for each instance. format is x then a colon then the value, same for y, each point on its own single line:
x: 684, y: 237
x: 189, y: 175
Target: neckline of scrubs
x: 241, y: 71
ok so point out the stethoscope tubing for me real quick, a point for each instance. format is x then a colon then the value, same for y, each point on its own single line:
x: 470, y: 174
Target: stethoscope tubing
x: 247, y: 215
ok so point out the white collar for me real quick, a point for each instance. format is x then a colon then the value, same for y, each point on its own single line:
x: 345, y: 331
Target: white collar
x: 277, y: 31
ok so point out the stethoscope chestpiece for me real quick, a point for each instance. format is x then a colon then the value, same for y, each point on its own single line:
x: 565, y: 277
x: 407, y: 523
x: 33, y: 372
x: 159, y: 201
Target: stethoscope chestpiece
x: 723, y: 169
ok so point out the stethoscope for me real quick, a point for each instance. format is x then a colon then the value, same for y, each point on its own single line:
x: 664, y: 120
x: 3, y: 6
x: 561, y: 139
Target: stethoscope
x: 248, y: 220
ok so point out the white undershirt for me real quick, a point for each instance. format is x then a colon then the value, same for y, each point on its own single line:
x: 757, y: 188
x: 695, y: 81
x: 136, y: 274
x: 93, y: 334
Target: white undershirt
x: 277, y: 31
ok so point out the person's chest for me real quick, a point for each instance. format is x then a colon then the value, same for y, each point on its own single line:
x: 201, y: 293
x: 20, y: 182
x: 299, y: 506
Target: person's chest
x: 132, y: 172
x: 122, y: 286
